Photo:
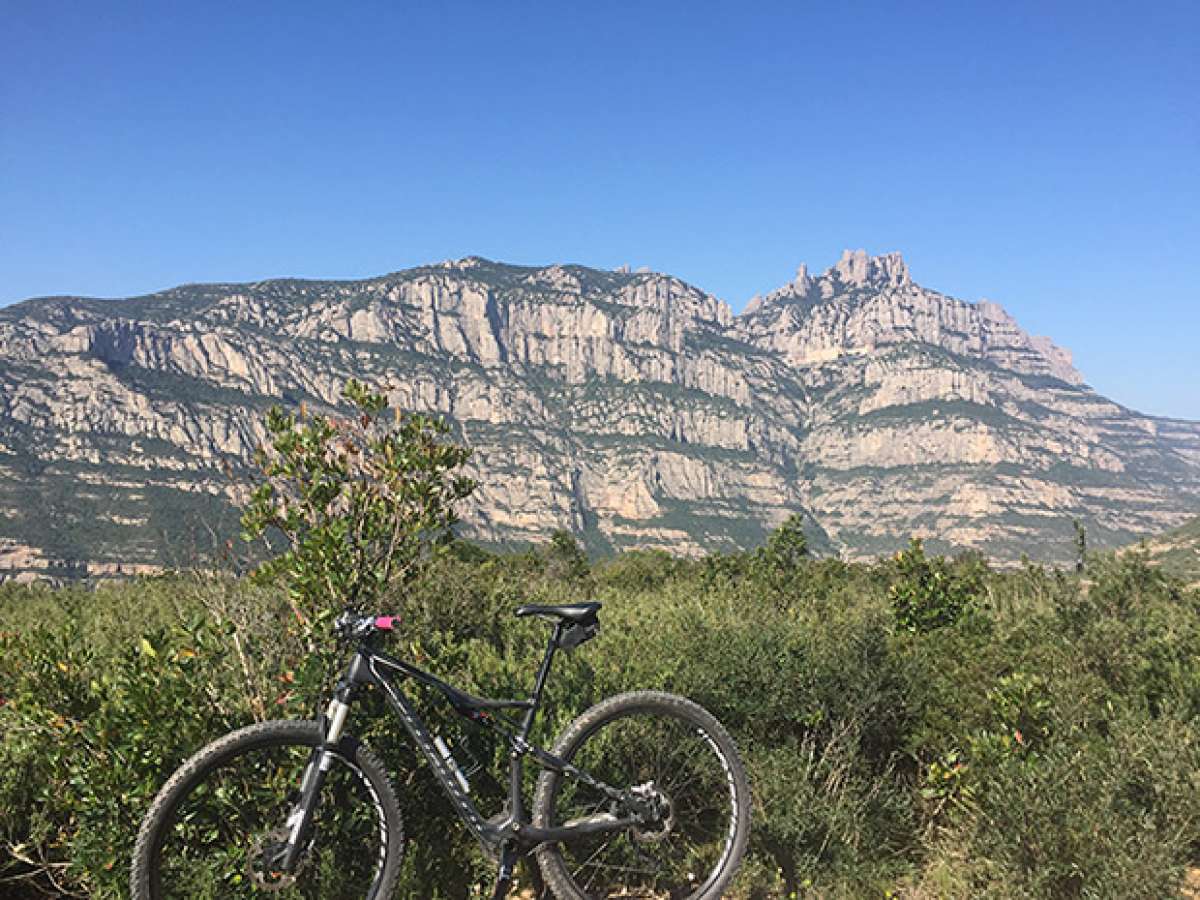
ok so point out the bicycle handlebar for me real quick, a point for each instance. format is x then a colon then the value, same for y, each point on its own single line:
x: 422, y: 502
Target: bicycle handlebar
x: 356, y: 627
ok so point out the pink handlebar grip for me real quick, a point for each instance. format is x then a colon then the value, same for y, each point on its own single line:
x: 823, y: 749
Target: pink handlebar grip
x: 387, y: 623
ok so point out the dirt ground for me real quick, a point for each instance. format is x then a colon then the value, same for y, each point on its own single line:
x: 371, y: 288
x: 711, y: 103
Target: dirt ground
x: 1191, y: 886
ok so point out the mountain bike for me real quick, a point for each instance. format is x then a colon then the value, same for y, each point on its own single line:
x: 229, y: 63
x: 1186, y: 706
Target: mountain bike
x: 643, y: 795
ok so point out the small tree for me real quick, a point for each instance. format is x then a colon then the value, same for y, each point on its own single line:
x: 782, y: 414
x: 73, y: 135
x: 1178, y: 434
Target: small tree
x: 928, y: 593
x: 780, y: 558
x: 567, y: 561
x: 362, y: 501
x: 1080, y: 545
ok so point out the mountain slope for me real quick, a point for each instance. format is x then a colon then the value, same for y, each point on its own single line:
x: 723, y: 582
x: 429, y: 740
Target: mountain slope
x: 634, y: 409
x: 1177, y: 551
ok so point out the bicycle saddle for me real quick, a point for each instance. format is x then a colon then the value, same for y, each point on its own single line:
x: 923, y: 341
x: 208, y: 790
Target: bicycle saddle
x: 578, y: 613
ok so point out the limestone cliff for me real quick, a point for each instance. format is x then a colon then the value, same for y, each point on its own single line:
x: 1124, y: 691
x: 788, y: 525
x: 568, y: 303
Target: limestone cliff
x: 631, y: 408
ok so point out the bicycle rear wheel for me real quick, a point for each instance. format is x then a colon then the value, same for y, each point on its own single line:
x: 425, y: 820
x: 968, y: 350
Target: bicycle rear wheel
x: 216, y: 828
x: 658, y: 746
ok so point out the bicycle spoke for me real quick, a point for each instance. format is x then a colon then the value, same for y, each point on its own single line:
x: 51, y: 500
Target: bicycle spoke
x: 661, y: 757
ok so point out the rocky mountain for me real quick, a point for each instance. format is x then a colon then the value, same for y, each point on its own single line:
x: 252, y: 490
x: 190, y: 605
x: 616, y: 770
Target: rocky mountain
x: 631, y: 408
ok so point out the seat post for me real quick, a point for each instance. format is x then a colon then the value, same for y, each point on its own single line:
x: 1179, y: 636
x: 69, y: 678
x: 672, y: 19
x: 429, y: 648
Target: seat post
x: 540, y: 683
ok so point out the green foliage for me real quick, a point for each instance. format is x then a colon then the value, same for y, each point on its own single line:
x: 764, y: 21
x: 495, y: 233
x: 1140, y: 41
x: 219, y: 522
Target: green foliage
x: 930, y: 593
x: 361, y: 500
x: 85, y: 745
x: 1083, y: 817
x: 778, y: 566
x: 1046, y: 745
x: 779, y: 559
x: 639, y: 570
x: 566, y: 560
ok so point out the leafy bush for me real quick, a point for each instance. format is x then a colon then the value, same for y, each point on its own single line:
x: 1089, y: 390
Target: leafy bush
x: 1041, y: 740
x: 779, y: 560
x: 360, y: 500
x: 1084, y: 817
x: 88, y: 737
x: 929, y: 593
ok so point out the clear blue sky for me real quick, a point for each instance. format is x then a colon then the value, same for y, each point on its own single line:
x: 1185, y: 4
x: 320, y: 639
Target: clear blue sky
x: 1044, y: 155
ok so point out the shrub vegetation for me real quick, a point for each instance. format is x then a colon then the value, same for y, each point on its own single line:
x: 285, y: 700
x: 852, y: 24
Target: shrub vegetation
x: 1044, y: 743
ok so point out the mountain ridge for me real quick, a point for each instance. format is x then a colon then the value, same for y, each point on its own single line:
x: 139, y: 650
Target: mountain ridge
x: 630, y: 407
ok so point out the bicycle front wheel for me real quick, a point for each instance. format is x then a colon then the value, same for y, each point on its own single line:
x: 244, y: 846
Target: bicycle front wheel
x: 219, y: 825
x: 664, y: 748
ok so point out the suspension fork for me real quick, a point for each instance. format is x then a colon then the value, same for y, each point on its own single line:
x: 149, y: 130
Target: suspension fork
x: 320, y: 761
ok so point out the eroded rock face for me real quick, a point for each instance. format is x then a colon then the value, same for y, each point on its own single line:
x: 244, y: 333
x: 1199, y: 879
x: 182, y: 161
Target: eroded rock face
x: 865, y: 304
x: 631, y: 408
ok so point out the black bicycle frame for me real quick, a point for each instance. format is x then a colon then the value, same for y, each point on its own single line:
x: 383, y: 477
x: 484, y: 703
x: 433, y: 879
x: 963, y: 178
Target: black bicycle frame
x: 370, y: 667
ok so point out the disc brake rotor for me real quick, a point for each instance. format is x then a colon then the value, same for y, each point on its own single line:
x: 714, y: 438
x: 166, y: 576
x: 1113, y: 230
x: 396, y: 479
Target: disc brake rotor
x: 648, y: 835
x: 264, y: 853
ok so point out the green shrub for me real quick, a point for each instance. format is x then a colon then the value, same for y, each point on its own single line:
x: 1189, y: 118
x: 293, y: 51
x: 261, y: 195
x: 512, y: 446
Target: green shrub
x: 1085, y: 817
x: 361, y: 501
x: 87, y: 739
x: 930, y: 593
x: 1042, y: 742
x: 778, y: 561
